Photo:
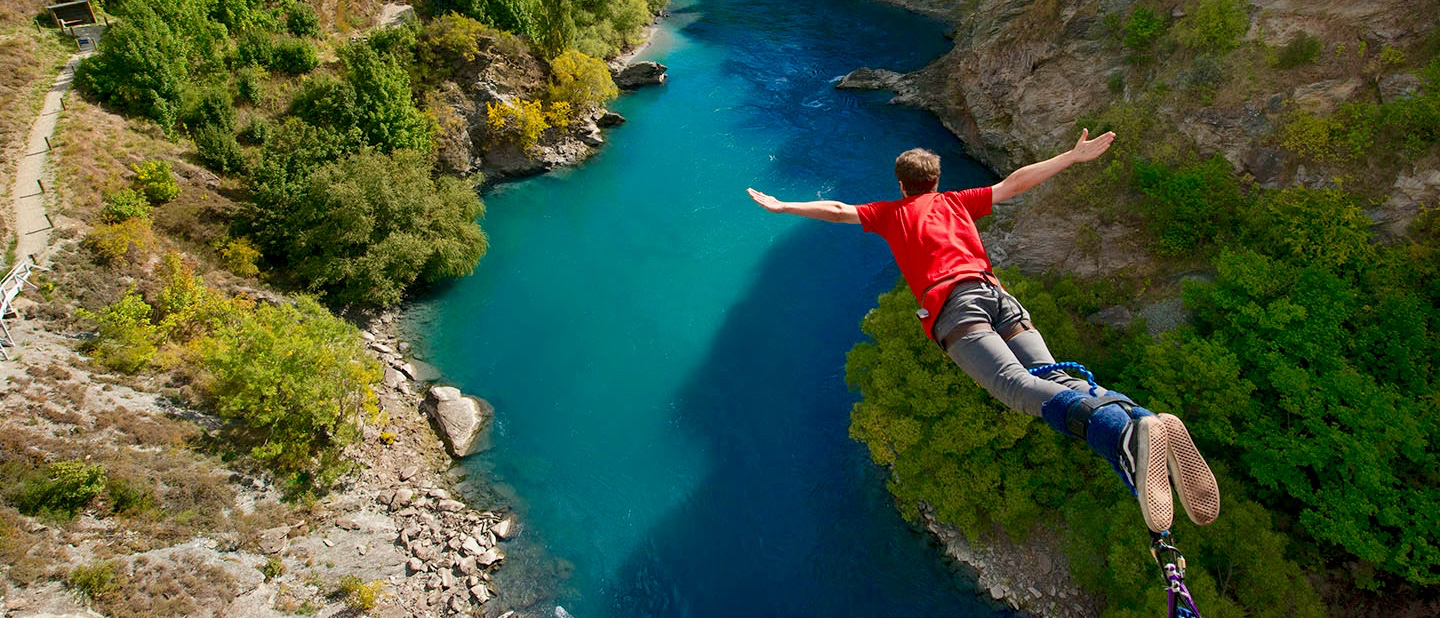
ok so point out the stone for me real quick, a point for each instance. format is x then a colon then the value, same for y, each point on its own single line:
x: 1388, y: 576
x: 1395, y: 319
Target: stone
x: 367, y: 336
x: 273, y: 541
x: 1398, y: 86
x: 644, y: 73
x: 1116, y: 316
x: 450, y: 506
x: 420, y: 371
x: 997, y: 592
x: 505, y: 529
x: 402, y: 498
x: 509, y: 614
x: 609, y: 119
x: 415, y: 565
x: 393, y: 378
x: 1267, y: 165
x: 328, y: 542
x: 1324, y: 97
x: 467, y: 565
x: 457, y: 604
x: 403, y: 347
x: 472, y: 547
x: 438, y: 494
x: 347, y: 523
x: 481, y: 593
x: 409, y: 472
x: 591, y: 136
x: 865, y: 78
x: 459, y: 419
x: 447, y: 580
x: 490, y: 556
x: 382, y: 348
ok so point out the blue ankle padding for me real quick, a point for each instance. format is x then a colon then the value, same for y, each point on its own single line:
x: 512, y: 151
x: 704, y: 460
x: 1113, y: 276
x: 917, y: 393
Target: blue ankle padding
x: 1053, y: 411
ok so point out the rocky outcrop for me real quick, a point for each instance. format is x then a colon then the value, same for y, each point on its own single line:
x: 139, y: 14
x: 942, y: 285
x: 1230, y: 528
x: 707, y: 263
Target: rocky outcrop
x: 639, y: 74
x: 1034, y: 577
x: 866, y: 78
x: 460, y: 419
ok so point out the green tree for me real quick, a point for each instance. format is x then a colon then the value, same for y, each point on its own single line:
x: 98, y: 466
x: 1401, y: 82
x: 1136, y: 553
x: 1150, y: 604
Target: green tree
x: 296, y: 382
x: 555, y: 29
x: 367, y: 228
x: 387, y: 115
x: 136, y: 68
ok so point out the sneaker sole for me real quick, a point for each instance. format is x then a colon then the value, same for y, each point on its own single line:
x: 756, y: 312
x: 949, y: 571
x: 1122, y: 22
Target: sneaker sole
x: 1152, y: 479
x: 1199, y: 495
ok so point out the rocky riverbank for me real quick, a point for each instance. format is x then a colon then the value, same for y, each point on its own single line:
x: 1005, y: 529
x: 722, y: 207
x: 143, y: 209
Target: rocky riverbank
x: 395, y: 528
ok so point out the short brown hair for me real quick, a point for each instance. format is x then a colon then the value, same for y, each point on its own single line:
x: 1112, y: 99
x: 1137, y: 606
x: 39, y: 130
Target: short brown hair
x: 918, y: 171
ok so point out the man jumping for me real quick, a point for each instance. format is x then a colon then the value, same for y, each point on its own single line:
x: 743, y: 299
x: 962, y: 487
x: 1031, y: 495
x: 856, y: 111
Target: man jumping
x: 988, y: 333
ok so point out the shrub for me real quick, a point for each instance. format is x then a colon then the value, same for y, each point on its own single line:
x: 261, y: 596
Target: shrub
x: 301, y: 20
x: 1302, y: 50
x: 1191, y: 205
x: 123, y: 205
x: 115, y: 242
x: 95, y: 581
x: 325, y: 101
x: 125, y: 340
x: 519, y: 121
x: 219, y: 150
x: 1323, y: 227
x: 250, y: 84
x: 293, y: 55
x: 274, y: 567
x: 156, y: 180
x: 129, y: 498
x: 64, y: 489
x: 210, y: 106
x: 1142, y: 28
x: 1214, y: 26
x: 360, y: 596
x: 239, y: 257
x: 581, y: 81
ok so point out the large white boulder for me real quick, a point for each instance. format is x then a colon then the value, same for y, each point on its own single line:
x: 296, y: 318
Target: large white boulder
x: 460, y: 419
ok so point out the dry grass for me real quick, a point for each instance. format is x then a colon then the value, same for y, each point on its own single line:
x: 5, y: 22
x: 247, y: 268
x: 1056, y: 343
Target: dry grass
x: 93, y: 153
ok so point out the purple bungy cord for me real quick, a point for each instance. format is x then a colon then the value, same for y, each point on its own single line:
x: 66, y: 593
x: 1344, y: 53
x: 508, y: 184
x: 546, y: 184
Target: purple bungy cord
x: 1178, y: 590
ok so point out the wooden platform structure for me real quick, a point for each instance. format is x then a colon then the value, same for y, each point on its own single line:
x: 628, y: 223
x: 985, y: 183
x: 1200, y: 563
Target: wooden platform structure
x: 10, y: 287
x: 67, y: 14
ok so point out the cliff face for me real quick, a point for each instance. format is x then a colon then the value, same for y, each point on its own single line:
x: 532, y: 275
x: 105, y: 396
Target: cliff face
x: 1022, y: 74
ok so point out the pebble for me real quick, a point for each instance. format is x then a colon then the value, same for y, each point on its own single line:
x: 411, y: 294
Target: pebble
x: 328, y: 542
x: 415, y: 565
x: 450, y: 506
x: 409, y: 473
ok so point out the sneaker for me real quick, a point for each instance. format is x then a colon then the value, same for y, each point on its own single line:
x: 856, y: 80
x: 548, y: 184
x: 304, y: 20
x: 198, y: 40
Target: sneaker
x: 1142, y: 459
x: 1199, y: 495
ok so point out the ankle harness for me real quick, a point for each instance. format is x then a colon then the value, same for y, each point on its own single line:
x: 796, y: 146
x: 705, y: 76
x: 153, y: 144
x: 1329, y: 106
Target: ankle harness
x: 1077, y: 416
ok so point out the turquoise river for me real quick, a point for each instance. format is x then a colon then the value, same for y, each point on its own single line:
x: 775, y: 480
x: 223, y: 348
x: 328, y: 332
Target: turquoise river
x: 667, y: 360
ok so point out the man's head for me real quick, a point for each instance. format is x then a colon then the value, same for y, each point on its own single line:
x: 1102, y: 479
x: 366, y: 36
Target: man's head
x: 918, y: 171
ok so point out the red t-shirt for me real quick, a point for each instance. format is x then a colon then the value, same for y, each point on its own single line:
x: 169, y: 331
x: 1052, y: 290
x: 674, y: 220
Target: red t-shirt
x: 935, y: 242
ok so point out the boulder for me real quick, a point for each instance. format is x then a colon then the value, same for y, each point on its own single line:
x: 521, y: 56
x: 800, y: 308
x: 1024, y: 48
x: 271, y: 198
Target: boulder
x: 504, y: 529
x: 609, y: 119
x: 865, y: 78
x: 459, y: 419
x: 420, y: 371
x: 490, y: 556
x: 274, y: 540
x: 645, y: 73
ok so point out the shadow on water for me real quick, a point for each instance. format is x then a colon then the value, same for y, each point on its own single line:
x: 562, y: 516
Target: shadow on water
x: 720, y: 553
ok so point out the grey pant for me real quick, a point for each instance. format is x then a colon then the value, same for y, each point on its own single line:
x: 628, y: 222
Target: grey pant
x: 1000, y: 366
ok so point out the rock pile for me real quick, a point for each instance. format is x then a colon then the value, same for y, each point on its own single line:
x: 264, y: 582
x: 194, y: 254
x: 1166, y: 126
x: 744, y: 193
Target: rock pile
x: 453, y: 550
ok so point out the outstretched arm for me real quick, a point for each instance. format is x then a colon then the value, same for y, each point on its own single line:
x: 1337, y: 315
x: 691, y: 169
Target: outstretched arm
x: 824, y: 210
x: 1027, y: 177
